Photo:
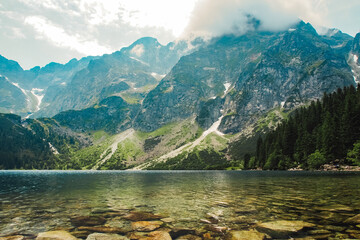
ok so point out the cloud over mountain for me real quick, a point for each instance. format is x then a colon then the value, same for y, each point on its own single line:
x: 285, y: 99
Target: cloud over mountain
x: 214, y: 18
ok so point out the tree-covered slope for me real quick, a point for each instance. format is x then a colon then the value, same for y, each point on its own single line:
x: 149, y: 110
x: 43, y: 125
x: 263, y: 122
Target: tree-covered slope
x: 323, y: 132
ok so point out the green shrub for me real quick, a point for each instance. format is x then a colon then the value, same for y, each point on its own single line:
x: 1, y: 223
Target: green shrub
x: 316, y: 159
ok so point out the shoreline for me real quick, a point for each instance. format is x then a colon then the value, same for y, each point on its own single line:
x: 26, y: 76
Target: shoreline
x: 329, y: 168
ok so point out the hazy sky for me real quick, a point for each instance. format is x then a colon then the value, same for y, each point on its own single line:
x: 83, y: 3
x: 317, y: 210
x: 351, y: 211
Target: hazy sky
x: 36, y: 32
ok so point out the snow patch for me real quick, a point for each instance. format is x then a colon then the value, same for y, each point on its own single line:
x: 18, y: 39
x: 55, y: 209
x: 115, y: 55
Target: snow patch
x: 282, y: 104
x: 38, y: 93
x: 355, y: 58
x: 63, y: 84
x: 227, y: 87
x: 138, y: 50
x: 292, y: 29
x: 158, y: 76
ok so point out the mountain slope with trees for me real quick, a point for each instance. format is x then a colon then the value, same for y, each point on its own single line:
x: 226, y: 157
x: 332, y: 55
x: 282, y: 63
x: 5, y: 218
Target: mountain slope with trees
x: 326, y: 131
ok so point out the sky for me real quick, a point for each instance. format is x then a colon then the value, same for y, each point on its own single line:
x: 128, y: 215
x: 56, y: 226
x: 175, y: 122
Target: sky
x: 35, y: 33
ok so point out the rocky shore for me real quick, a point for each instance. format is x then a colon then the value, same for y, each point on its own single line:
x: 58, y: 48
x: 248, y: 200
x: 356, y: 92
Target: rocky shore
x: 130, y: 224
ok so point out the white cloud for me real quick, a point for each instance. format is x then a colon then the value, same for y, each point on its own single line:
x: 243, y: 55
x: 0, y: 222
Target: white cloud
x: 172, y: 15
x: 213, y: 17
x: 57, y: 36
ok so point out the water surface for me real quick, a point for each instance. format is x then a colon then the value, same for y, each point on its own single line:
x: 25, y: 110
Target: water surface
x: 36, y: 201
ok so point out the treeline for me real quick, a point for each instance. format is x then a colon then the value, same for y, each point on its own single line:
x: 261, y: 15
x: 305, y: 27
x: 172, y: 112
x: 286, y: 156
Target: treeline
x: 324, y: 132
x: 19, y: 148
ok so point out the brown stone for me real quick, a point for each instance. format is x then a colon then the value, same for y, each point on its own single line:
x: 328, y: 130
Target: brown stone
x: 146, y: 226
x: 102, y: 229
x: 189, y: 237
x: 207, y: 236
x: 80, y: 234
x: 55, y: 235
x: 215, y: 228
x: 212, y: 218
x: 353, y: 220
x: 105, y: 236
x: 15, y: 237
x: 157, y: 235
x: 141, y: 216
x: 137, y: 235
x: 245, y: 235
x: 282, y: 228
x: 87, y: 221
x: 177, y: 232
x: 167, y: 220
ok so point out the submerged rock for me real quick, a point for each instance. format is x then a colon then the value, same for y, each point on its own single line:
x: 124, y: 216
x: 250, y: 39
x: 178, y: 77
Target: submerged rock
x: 55, y: 235
x: 283, y: 228
x: 353, y: 220
x: 102, y: 229
x: 189, y: 237
x: 105, y: 236
x: 178, y: 232
x: 80, y: 234
x: 15, y: 237
x: 167, y: 220
x: 146, y: 226
x: 245, y: 235
x: 87, y: 221
x: 157, y: 235
x: 212, y: 218
x: 142, y: 216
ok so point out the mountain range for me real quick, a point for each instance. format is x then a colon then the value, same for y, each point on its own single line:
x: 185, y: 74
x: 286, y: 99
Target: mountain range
x: 149, y: 102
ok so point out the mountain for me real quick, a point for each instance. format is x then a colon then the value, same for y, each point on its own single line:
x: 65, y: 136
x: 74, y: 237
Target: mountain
x: 129, y: 73
x: 243, y: 77
x: 151, y: 106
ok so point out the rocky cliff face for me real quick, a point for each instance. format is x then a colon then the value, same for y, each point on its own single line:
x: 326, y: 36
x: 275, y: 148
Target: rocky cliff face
x: 251, y: 74
x: 353, y: 59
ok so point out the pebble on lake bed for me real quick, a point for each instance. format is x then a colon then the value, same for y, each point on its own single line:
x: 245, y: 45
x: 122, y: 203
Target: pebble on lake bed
x: 142, y: 216
x: 105, y: 236
x: 245, y: 235
x: 15, y: 237
x: 353, y: 220
x: 146, y: 226
x: 282, y: 228
x: 55, y: 235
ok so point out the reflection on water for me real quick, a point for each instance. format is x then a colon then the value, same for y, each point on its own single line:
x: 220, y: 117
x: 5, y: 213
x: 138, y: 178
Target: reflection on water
x: 36, y: 201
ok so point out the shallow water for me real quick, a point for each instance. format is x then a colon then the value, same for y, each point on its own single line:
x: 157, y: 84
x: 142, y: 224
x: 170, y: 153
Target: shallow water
x: 37, y: 201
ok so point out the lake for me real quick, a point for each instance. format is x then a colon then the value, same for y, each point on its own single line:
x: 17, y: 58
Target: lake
x: 210, y: 202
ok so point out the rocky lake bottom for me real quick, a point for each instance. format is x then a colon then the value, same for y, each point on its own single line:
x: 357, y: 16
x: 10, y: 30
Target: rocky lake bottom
x: 179, y: 205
